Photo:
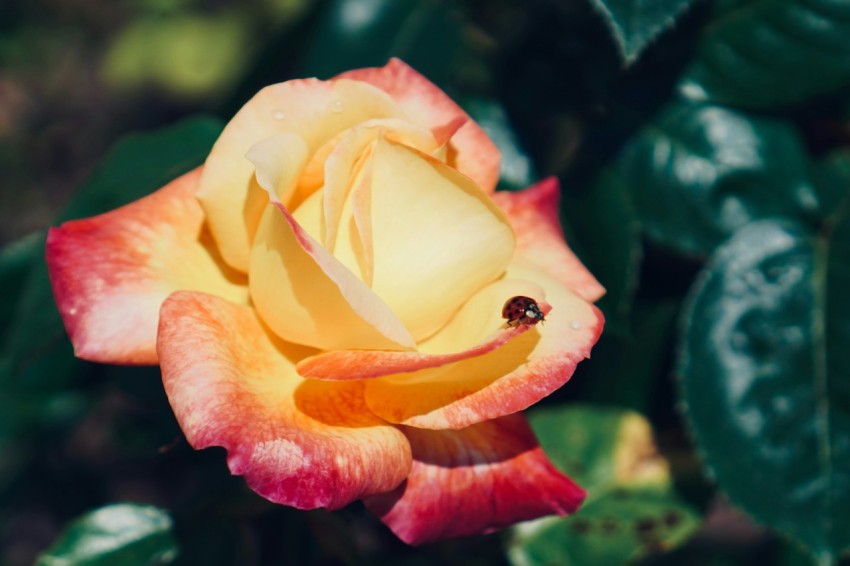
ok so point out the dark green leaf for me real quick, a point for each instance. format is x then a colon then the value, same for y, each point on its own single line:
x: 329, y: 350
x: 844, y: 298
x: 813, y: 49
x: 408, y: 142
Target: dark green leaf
x: 117, y: 535
x: 16, y: 260
x: 603, y: 229
x: 775, y: 52
x: 698, y: 172
x: 627, y: 368
x: 831, y: 178
x: 351, y: 34
x: 635, y: 24
x: 517, y: 169
x: 766, y: 376
x: 631, y: 508
x: 141, y: 163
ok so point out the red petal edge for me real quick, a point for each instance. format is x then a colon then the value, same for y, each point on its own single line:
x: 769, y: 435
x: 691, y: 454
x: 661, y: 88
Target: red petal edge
x: 302, y: 443
x: 475, y: 480
x: 533, y: 213
x: 111, y: 272
x: 477, y: 156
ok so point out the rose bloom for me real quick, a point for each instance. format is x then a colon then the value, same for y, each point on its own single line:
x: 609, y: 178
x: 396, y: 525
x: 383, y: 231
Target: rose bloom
x: 324, y: 298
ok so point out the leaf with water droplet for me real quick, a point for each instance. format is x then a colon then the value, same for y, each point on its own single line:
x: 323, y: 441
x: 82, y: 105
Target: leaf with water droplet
x: 764, y: 370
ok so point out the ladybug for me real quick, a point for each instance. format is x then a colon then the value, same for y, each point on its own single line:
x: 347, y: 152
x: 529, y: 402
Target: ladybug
x: 522, y: 310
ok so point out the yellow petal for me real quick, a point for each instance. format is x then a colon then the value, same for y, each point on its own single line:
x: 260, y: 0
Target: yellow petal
x: 308, y: 297
x: 314, y: 110
x: 509, y: 379
x: 437, y: 237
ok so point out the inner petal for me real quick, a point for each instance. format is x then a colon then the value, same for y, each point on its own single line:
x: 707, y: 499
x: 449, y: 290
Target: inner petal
x: 313, y: 110
x: 308, y: 297
x: 437, y: 237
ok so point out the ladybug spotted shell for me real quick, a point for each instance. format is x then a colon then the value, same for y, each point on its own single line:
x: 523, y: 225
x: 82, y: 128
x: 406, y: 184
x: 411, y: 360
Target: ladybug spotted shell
x: 522, y: 310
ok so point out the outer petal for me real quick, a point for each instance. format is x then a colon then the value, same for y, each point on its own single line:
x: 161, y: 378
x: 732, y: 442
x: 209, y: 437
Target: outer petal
x: 308, y: 297
x: 534, y: 215
x: 475, y: 480
x: 302, y: 443
x: 505, y: 381
x: 110, y: 273
x: 463, y: 338
x: 475, y: 153
x: 311, y: 109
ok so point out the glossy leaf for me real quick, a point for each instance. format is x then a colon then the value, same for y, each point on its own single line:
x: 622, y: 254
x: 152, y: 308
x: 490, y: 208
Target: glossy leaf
x: 698, y: 172
x: 766, y: 376
x: 116, y: 535
x: 635, y: 24
x: 631, y: 508
x: 766, y: 54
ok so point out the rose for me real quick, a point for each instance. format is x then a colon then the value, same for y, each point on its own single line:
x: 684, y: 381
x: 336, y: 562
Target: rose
x: 324, y: 298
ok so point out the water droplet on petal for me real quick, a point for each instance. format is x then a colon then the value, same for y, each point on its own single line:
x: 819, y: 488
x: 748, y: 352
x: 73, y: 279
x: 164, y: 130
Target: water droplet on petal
x: 337, y: 106
x: 279, y: 115
x: 575, y: 325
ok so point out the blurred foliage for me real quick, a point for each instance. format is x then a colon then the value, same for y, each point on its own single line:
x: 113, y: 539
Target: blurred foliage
x: 704, y: 153
x: 631, y: 509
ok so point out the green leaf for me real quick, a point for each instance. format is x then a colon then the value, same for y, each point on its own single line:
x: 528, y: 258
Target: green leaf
x: 603, y: 229
x: 766, y: 376
x: 631, y: 508
x: 699, y: 171
x: 141, y: 163
x: 634, y: 24
x: 426, y: 34
x: 116, y: 535
x: 614, y: 529
x: 770, y: 53
x: 831, y: 178
x: 517, y: 169
x: 16, y: 260
x: 627, y: 367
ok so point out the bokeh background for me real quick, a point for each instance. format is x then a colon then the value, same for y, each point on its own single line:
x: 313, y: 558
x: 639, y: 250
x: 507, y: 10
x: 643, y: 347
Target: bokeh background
x: 704, y: 154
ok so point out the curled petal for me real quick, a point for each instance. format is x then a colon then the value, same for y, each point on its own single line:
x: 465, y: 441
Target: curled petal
x: 436, y: 237
x: 533, y: 213
x: 308, y: 297
x: 110, y: 273
x: 504, y: 381
x: 302, y: 443
x: 312, y: 110
x: 454, y: 343
x: 475, y: 155
x: 476, y: 480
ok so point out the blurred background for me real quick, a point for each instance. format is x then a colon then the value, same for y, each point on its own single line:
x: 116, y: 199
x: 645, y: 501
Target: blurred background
x: 704, y: 154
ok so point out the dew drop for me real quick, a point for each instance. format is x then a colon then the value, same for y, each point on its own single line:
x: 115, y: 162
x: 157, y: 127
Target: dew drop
x: 279, y: 115
x: 336, y: 106
x: 575, y: 325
